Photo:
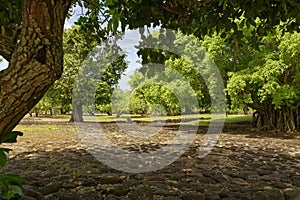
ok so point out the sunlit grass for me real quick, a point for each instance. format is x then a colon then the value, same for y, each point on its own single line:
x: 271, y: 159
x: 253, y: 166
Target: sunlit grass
x: 63, y: 116
x: 41, y: 127
x: 238, y: 118
x: 230, y: 119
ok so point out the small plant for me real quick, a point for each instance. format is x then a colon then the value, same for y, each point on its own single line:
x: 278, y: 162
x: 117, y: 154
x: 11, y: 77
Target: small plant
x: 11, y: 185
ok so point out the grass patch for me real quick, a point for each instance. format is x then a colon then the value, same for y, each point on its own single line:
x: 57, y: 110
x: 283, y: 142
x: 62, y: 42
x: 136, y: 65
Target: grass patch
x: 230, y: 119
x: 63, y: 116
x: 236, y: 119
x: 40, y: 127
x: 153, y: 118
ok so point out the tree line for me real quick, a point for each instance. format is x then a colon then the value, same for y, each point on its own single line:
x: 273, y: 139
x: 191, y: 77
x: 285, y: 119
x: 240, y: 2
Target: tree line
x: 264, y: 78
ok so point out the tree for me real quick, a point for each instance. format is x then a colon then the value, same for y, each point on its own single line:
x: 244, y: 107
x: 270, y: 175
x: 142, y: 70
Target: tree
x: 149, y: 95
x: 263, y: 78
x: 32, y: 36
x: 32, y: 42
x: 76, y: 56
x: 271, y: 86
x: 174, y: 87
x: 119, y: 101
x: 109, y: 82
x: 35, y: 55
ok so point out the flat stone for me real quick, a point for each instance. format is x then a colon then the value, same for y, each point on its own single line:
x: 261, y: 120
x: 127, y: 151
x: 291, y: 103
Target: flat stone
x: 155, y: 177
x: 242, y: 196
x: 69, y: 186
x: 206, y: 180
x: 110, y: 179
x: 192, y: 196
x: 212, y: 197
x: 239, y: 181
x: 259, y: 185
x: 111, y: 197
x: 197, y: 187
x: 91, y: 195
x: 280, y: 185
x: 131, y: 182
x: 177, y: 176
x: 119, y: 190
x: 269, y: 195
x: 265, y: 172
x: 51, y: 188
x: 34, y: 194
x: 219, y: 178
x: 141, y: 193
x: 223, y: 194
x: 162, y: 192
x: 65, y: 195
x: 89, y: 182
x: 291, y: 194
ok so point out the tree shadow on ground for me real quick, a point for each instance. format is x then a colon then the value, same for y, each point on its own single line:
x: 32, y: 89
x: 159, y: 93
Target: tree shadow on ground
x: 229, y: 171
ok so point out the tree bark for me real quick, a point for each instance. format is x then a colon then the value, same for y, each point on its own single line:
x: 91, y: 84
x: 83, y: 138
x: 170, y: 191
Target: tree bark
x: 35, y: 62
x: 77, y: 113
x: 283, y: 120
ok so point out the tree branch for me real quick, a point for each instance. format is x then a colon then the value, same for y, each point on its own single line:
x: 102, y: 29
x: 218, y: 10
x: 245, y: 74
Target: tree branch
x: 260, y: 108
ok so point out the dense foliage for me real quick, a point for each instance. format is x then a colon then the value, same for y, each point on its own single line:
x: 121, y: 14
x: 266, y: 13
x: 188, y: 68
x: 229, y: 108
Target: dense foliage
x: 270, y: 83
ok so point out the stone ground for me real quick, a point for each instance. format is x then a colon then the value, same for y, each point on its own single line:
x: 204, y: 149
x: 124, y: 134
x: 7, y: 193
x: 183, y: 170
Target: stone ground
x: 244, y: 164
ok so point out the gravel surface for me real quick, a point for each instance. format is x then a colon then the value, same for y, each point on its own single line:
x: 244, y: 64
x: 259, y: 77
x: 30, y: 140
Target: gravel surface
x: 243, y: 164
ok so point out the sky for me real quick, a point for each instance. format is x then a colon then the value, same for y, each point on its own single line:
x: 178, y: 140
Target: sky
x: 3, y: 64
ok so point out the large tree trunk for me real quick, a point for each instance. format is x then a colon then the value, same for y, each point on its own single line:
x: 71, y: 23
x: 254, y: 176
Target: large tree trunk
x: 77, y: 113
x: 35, y: 60
x: 283, y: 120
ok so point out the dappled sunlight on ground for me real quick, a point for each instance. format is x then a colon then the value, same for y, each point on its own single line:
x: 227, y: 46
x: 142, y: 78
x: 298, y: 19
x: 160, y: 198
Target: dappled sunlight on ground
x: 242, y: 165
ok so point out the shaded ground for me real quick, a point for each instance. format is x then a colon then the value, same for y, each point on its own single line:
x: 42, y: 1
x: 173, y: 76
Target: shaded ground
x: 243, y: 165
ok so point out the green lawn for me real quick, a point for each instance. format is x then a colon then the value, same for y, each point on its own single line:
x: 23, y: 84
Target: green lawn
x: 203, y: 119
x: 230, y: 119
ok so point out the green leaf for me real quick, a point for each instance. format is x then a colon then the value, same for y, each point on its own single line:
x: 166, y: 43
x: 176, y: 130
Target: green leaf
x: 220, y: 2
x: 11, y: 179
x: 224, y: 4
x: 3, y: 158
x: 12, y: 137
x: 108, y: 2
x: 115, y: 24
x: 11, y: 186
